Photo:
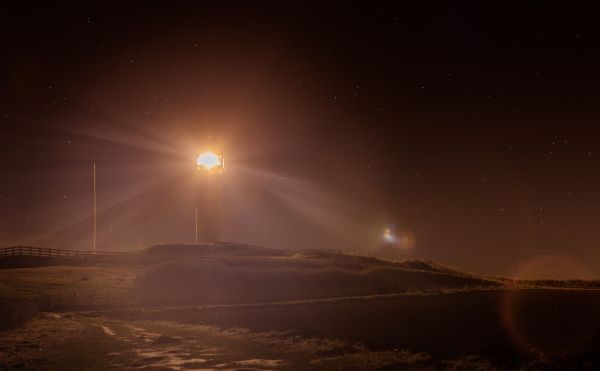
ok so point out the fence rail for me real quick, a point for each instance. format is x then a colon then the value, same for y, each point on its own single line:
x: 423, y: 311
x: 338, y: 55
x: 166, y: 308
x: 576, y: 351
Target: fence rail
x: 49, y: 252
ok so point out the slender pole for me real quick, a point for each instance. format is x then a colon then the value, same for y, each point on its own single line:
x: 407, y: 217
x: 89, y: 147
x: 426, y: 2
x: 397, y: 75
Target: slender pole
x: 94, y: 215
x: 196, y: 225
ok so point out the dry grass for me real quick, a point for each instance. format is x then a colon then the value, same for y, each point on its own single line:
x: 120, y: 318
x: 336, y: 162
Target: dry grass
x: 26, y: 283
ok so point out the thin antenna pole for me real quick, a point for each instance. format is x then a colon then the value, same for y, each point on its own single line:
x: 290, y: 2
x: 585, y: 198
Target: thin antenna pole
x: 196, y: 225
x: 94, y: 212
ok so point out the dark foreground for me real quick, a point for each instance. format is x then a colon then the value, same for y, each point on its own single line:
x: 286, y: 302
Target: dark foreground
x: 507, y: 328
x: 496, y: 324
x: 527, y: 329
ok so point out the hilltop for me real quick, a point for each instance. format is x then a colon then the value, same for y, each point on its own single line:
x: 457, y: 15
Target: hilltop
x: 227, y: 273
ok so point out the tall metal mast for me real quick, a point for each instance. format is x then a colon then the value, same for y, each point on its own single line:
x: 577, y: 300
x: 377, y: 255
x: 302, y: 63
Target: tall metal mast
x: 196, y: 240
x: 94, y: 211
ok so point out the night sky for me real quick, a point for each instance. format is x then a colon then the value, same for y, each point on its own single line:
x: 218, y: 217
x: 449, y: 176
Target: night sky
x: 472, y: 127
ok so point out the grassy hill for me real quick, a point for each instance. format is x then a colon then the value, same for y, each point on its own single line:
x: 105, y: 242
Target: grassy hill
x: 232, y: 273
x: 228, y: 273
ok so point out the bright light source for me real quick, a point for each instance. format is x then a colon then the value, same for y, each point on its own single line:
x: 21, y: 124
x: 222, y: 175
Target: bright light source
x: 210, y: 161
x: 388, y: 236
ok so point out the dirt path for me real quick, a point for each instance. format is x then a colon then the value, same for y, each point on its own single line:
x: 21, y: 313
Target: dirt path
x: 170, y: 346
x: 74, y: 341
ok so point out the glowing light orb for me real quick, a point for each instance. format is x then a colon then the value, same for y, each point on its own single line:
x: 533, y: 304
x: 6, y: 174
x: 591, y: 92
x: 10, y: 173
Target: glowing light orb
x: 404, y: 240
x: 210, y: 161
x: 388, y: 236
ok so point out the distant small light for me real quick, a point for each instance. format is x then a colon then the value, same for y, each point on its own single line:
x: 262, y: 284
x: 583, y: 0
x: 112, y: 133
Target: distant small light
x: 210, y: 161
x: 388, y: 236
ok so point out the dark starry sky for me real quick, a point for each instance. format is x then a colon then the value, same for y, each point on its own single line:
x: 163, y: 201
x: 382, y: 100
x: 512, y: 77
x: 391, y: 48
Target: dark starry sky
x: 473, y: 126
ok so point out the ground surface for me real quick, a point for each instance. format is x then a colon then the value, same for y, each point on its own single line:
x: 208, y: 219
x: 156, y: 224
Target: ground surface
x: 75, y: 342
x: 66, y: 280
x: 237, y: 307
x: 539, y: 329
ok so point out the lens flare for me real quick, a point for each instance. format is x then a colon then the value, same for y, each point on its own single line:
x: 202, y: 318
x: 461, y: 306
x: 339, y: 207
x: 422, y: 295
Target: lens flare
x: 406, y: 240
x: 525, y: 317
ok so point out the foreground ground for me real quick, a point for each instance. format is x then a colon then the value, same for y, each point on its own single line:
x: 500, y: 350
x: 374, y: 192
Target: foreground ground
x: 539, y: 329
x: 237, y: 307
x: 75, y: 342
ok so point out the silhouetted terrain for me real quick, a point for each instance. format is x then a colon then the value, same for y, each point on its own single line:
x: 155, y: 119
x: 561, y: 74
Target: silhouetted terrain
x: 240, y: 274
x: 221, y: 306
x: 227, y: 273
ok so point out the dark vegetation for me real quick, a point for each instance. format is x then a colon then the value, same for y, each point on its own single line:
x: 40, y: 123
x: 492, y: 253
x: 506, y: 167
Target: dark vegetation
x: 241, y: 274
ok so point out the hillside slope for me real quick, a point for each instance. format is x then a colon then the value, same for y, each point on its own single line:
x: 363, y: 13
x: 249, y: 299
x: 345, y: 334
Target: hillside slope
x: 232, y: 273
x: 224, y: 273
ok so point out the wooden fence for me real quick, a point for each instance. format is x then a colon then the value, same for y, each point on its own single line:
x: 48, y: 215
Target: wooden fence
x: 49, y: 252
